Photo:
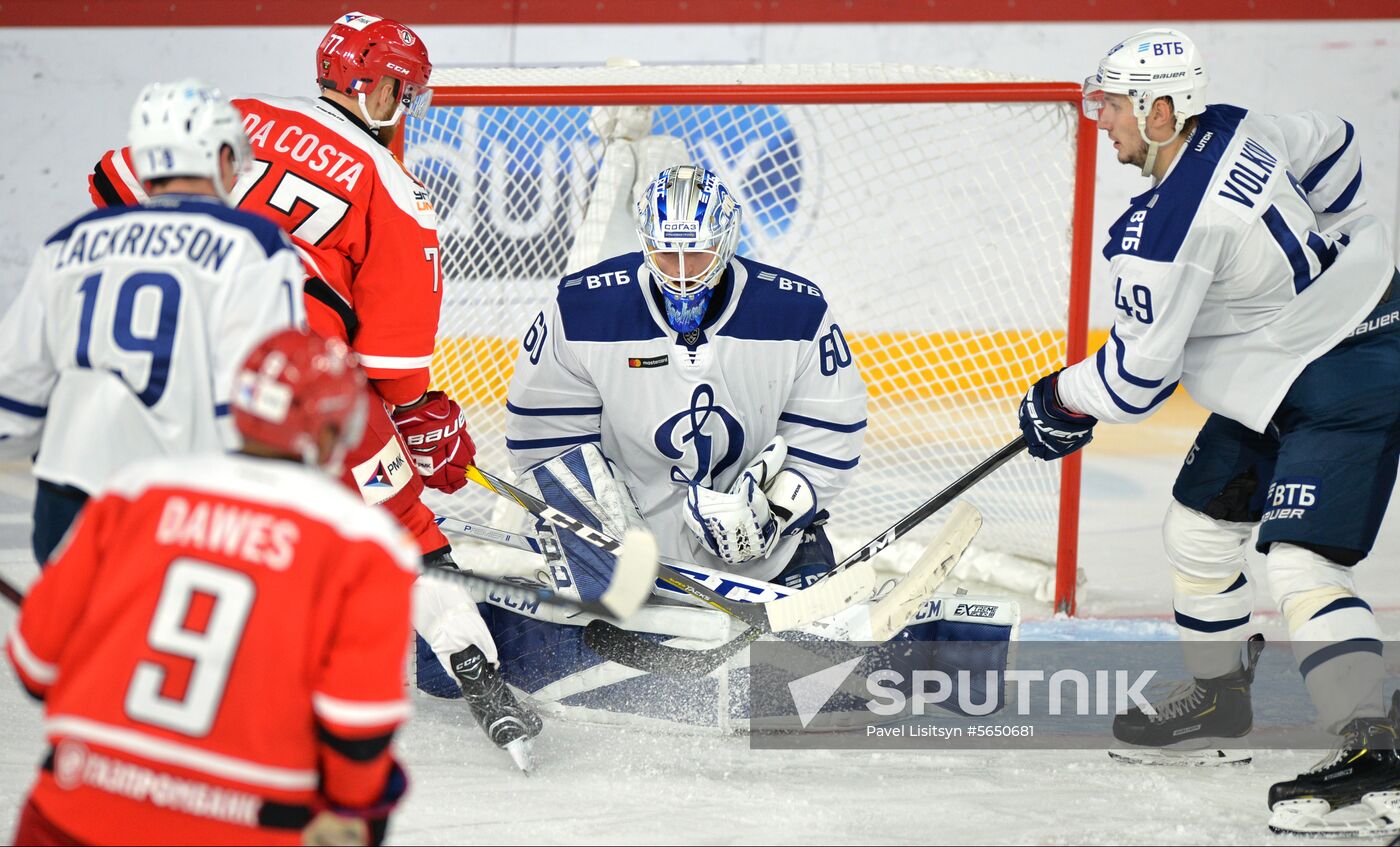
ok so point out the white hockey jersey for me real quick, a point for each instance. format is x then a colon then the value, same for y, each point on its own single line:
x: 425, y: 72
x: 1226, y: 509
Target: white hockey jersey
x: 602, y: 365
x: 1251, y: 258
x: 123, y: 342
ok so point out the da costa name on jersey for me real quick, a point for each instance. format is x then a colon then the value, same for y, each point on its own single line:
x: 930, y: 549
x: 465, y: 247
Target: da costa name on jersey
x: 255, y: 537
x: 304, y: 147
x: 122, y: 236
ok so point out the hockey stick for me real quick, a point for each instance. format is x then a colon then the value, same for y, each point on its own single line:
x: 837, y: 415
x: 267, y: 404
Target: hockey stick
x: 629, y: 648
x: 791, y: 612
x: 14, y: 595
x: 880, y: 622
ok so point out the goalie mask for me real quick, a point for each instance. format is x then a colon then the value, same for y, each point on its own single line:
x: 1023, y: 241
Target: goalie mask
x: 1151, y: 64
x: 178, y: 129
x: 688, y: 222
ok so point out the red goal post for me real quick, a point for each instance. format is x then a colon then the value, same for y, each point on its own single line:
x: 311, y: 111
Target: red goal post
x: 484, y: 151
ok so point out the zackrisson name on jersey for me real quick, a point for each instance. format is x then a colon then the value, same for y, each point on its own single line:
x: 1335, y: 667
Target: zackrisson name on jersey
x: 1248, y: 175
x: 130, y: 236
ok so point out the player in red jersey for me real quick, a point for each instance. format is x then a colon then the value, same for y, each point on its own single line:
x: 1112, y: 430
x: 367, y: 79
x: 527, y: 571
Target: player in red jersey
x: 219, y: 644
x: 368, y: 233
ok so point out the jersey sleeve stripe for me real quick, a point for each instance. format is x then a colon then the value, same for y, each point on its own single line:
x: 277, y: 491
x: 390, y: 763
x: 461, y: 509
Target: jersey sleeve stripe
x: 818, y: 423
x: 1346, y: 196
x: 1119, y: 352
x: 106, y: 191
x: 221, y: 410
x: 1320, y: 171
x: 396, y: 363
x: 29, y: 664
x: 538, y: 443
x: 10, y: 404
x: 824, y: 461
x: 1118, y: 401
x: 128, y: 179
x: 320, y: 291
x: 156, y: 749
x: 1278, y: 228
x: 550, y: 412
x: 353, y: 713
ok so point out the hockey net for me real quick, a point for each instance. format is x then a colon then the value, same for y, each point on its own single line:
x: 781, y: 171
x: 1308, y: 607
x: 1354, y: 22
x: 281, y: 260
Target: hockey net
x: 944, y: 214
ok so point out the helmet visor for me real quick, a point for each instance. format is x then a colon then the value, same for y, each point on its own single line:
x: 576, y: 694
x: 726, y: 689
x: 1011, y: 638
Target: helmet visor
x: 416, y: 99
x: 1092, y: 102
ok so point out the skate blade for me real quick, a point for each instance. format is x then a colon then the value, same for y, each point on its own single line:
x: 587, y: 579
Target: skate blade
x: 1169, y: 757
x: 1376, y: 816
x: 522, y: 752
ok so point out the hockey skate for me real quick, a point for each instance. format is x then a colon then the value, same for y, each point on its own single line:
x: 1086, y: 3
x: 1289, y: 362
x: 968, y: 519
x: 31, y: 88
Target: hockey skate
x: 507, y: 722
x: 1353, y: 792
x: 1190, y: 718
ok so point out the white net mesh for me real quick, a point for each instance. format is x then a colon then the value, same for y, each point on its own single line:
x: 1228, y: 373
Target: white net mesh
x: 939, y: 232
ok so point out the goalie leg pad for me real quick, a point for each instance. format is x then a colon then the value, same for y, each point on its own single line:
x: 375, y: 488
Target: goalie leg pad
x: 1210, y: 593
x: 583, y: 484
x: 1334, y: 633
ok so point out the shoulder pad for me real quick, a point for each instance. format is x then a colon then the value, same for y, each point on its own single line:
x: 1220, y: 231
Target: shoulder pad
x: 776, y: 305
x: 607, y: 302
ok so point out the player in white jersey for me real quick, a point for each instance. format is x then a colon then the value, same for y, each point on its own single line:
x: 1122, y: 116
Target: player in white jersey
x: 720, y: 388
x: 124, y: 340
x: 1252, y: 274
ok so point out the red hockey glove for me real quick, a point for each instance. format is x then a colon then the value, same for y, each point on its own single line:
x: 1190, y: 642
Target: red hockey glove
x: 436, y: 434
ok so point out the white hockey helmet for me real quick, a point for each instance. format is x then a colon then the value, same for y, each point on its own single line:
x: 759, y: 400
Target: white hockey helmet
x: 688, y: 210
x: 179, y: 128
x: 1143, y: 67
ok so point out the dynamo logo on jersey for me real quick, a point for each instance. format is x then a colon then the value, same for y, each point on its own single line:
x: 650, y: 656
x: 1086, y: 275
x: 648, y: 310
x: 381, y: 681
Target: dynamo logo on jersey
x: 703, y: 440
x: 504, y: 189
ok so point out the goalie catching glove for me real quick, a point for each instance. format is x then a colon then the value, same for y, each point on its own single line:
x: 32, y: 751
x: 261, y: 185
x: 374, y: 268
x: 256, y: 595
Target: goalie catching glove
x: 435, y: 431
x: 766, y: 503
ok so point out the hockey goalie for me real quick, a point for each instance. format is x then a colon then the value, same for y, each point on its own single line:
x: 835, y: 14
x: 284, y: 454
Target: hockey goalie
x: 707, y: 396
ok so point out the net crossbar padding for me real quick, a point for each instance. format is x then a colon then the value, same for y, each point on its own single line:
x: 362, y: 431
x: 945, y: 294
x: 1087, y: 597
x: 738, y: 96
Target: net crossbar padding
x: 943, y: 213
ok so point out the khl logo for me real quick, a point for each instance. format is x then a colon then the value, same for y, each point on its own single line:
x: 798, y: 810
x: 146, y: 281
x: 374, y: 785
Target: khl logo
x: 692, y: 433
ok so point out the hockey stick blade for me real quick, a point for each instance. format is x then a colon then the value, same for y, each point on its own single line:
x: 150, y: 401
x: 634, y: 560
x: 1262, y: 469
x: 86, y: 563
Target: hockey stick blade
x: 14, y: 595
x: 893, y: 612
x: 616, y: 644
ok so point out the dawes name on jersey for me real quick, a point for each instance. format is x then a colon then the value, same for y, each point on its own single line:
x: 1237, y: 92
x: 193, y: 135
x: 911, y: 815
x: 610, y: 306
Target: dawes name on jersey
x: 602, y: 365
x: 1250, y: 259
x: 124, y: 340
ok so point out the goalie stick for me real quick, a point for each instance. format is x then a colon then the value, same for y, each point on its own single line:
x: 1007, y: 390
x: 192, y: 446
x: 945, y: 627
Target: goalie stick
x: 880, y: 622
x: 791, y: 612
x: 631, y: 649
x: 628, y: 590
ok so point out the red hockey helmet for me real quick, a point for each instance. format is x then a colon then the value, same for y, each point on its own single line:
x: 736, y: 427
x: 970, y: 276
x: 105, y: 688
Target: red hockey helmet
x: 359, y: 50
x: 292, y: 386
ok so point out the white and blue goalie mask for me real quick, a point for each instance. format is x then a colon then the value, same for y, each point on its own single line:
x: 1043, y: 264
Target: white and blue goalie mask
x: 688, y: 222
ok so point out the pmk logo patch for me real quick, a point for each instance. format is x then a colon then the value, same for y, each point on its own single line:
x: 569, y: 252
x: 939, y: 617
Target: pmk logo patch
x: 1291, y: 498
x: 384, y: 474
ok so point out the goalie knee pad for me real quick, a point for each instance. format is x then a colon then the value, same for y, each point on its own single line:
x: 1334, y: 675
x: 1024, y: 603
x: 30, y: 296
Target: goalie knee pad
x: 1210, y: 594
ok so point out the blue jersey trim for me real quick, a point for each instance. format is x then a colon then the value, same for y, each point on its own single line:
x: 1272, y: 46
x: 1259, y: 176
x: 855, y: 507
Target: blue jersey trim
x: 824, y: 461
x: 268, y: 235
x: 10, y: 404
x: 1121, y: 350
x: 818, y: 423
x: 1320, y: 170
x: 220, y: 410
x: 540, y: 443
x: 766, y: 312
x: 1278, y: 228
x: 1167, y: 211
x: 1099, y: 360
x: 550, y: 412
x: 611, y: 312
x: 1346, y: 196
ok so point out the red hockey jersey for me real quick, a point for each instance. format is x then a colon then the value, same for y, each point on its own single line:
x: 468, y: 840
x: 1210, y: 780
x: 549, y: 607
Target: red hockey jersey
x: 220, y: 647
x: 364, y: 224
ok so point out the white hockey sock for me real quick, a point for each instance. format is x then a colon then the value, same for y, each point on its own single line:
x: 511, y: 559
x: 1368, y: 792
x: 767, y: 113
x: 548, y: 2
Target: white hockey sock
x: 1211, y: 596
x: 445, y: 614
